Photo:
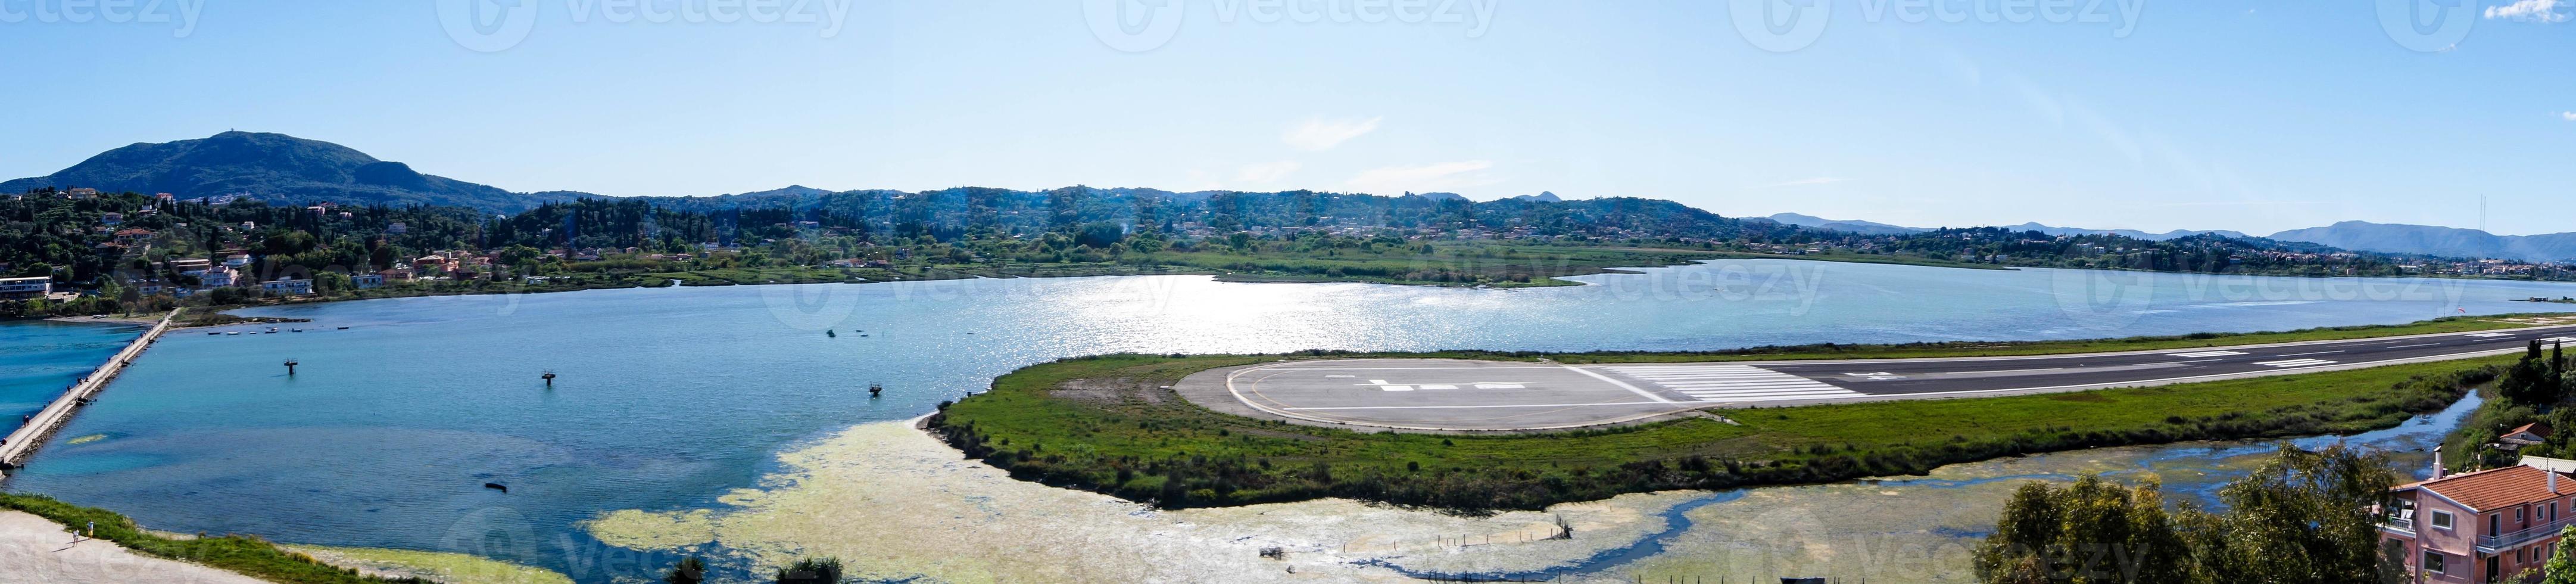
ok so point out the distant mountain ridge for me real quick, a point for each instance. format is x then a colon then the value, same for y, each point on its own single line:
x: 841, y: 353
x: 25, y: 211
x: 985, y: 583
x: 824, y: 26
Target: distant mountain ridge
x: 2132, y: 233
x: 289, y: 170
x: 1876, y: 228
x: 2437, y: 241
x: 1846, y: 226
x: 274, y: 166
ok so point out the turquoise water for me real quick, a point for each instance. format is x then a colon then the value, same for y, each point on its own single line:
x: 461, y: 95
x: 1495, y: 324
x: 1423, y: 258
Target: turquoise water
x: 39, y: 359
x: 669, y: 397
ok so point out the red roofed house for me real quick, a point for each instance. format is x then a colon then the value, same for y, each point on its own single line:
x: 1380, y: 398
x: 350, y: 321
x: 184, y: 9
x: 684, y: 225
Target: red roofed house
x: 2531, y: 434
x: 2482, y: 526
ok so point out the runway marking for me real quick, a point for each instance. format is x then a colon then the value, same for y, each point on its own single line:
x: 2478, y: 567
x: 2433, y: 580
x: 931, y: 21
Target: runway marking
x: 1479, y: 406
x: 1735, y: 383
x: 2315, y: 353
x: 2294, y: 363
x: 2414, y: 346
x: 2207, y: 354
x: 1397, y: 368
x: 1621, y: 384
x: 2559, y: 340
x: 2490, y: 335
x: 1994, y: 372
x: 1382, y: 385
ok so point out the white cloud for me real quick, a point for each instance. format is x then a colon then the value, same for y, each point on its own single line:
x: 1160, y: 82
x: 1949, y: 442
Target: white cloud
x: 1423, y: 178
x: 1267, y: 172
x: 1822, y: 180
x: 2530, y: 11
x: 1320, y: 134
x: 2570, y: 116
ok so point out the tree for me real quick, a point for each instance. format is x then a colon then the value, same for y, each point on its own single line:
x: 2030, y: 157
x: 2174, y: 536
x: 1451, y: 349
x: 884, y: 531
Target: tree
x: 690, y: 570
x: 811, y: 571
x: 2303, y: 518
x: 2088, y: 532
x: 2561, y: 569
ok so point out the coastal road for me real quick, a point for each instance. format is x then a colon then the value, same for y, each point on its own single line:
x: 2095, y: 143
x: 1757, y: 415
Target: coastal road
x: 1436, y: 394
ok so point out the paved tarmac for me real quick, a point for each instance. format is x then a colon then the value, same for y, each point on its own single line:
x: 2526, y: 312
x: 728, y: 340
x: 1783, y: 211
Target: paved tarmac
x: 1462, y: 395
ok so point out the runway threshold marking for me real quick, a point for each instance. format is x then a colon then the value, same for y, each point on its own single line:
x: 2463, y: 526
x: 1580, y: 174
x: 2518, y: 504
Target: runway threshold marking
x: 2295, y: 363
x: 1621, y: 384
x: 1735, y: 383
x: 2207, y: 354
x: 2490, y: 335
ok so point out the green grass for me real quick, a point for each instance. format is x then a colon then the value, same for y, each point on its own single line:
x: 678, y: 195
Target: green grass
x: 246, y: 555
x: 1126, y: 436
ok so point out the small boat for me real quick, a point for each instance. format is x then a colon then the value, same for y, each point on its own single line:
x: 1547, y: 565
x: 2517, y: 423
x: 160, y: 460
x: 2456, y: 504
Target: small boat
x: 295, y: 330
x: 497, y: 487
x: 213, y: 333
x: 234, y: 333
x: 272, y: 329
x: 344, y: 328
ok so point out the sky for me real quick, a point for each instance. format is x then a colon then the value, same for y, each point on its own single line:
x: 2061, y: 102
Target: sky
x: 2256, y: 116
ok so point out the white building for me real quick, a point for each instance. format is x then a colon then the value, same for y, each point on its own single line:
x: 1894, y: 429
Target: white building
x: 218, y: 277
x: 286, y: 286
x: 25, y: 288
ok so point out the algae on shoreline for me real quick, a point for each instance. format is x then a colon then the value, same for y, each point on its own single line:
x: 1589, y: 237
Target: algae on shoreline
x: 894, y: 502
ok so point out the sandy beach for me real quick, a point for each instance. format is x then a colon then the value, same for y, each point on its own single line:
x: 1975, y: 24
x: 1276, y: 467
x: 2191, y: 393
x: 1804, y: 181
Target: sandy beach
x: 36, y: 550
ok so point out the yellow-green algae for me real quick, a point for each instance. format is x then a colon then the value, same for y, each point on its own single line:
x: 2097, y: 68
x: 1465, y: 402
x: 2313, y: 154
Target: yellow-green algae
x: 446, y: 568
x: 894, y: 502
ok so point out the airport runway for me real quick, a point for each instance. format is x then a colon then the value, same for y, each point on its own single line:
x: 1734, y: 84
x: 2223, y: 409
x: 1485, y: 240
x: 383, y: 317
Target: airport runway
x: 1438, y: 394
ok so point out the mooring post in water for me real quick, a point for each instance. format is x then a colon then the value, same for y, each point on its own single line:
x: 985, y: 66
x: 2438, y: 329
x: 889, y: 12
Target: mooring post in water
x: 876, y: 390
x: 550, y: 379
x: 290, y: 367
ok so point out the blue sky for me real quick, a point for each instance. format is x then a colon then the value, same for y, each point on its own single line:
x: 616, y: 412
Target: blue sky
x: 2247, y: 115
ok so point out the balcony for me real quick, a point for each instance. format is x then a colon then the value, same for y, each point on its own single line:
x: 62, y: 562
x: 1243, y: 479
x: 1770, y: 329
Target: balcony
x: 2512, y: 539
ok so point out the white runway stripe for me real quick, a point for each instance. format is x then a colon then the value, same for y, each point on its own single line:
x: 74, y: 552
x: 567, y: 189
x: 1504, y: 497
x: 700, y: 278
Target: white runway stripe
x: 1734, y: 383
x: 2207, y: 354
x: 2490, y: 335
x: 2296, y: 363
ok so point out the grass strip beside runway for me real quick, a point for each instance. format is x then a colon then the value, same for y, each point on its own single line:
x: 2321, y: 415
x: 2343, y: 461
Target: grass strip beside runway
x: 1107, y: 424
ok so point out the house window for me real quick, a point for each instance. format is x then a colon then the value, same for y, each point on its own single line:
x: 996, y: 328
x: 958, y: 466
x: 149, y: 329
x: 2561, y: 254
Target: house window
x: 2442, y: 519
x: 2433, y: 563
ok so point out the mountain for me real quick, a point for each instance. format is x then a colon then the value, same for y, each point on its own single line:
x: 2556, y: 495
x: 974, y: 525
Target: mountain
x: 2437, y: 241
x: 276, y: 168
x: 1541, y: 197
x: 2132, y: 233
x: 1846, y: 226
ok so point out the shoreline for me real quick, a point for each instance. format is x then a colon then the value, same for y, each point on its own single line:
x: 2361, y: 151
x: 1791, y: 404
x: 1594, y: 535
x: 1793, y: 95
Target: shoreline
x: 1550, y: 281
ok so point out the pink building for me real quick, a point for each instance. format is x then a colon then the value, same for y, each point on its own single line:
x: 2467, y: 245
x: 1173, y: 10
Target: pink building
x: 2482, y: 526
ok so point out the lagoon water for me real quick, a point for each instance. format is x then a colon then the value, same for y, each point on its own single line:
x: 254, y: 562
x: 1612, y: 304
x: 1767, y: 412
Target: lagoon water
x: 669, y: 398
x: 38, y: 359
